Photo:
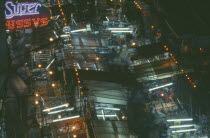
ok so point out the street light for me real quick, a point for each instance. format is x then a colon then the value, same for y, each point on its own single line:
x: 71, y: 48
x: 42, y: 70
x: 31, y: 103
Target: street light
x: 36, y: 94
x: 74, y: 136
x: 51, y: 39
x: 53, y: 84
x: 50, y: 72
x: 40, y: 65
x: 97, y: 58
x: 36, y: 102
x: 59, y: 116
x: 134, y: 43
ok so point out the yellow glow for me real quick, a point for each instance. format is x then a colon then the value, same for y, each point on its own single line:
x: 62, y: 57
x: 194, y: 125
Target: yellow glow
x: 36, y: 102
x: 59, y: 116
x: 134, y: 43
x: 50, y: 72
x: 53, y: 84
x: 51, y: 39
x: 40, y: 65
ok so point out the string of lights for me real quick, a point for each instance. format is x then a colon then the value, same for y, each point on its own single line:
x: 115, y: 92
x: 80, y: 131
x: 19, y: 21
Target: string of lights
x: 61, y: 11
x: 182, y: 69
x: 167, y: 49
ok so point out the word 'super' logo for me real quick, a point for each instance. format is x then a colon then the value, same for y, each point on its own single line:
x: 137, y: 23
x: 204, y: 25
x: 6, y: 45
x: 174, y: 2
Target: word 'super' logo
x: 25, y: 15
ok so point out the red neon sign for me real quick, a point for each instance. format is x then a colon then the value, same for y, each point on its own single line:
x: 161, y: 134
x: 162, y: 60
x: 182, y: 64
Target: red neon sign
x: 26, y: 23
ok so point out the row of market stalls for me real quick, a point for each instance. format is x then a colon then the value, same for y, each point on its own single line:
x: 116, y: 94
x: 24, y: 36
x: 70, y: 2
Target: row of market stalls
x: 169, y: 114
x: 108, y: 109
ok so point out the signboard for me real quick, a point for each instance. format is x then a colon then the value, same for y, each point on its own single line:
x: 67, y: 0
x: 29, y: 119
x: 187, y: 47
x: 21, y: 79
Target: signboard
x: 25, y: 15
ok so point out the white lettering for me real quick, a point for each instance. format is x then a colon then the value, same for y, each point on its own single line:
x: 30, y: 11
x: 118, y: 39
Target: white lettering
x: 21, y: 9
x: 31, y: 8
x: 8, y: 16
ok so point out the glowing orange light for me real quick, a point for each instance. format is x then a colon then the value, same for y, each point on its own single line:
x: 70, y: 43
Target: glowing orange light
x: 26, y: 23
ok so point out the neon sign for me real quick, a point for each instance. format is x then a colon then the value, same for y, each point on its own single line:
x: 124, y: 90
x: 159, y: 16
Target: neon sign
x: 25, y: 15
x: 26, y: 23
x: 21, y: 9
